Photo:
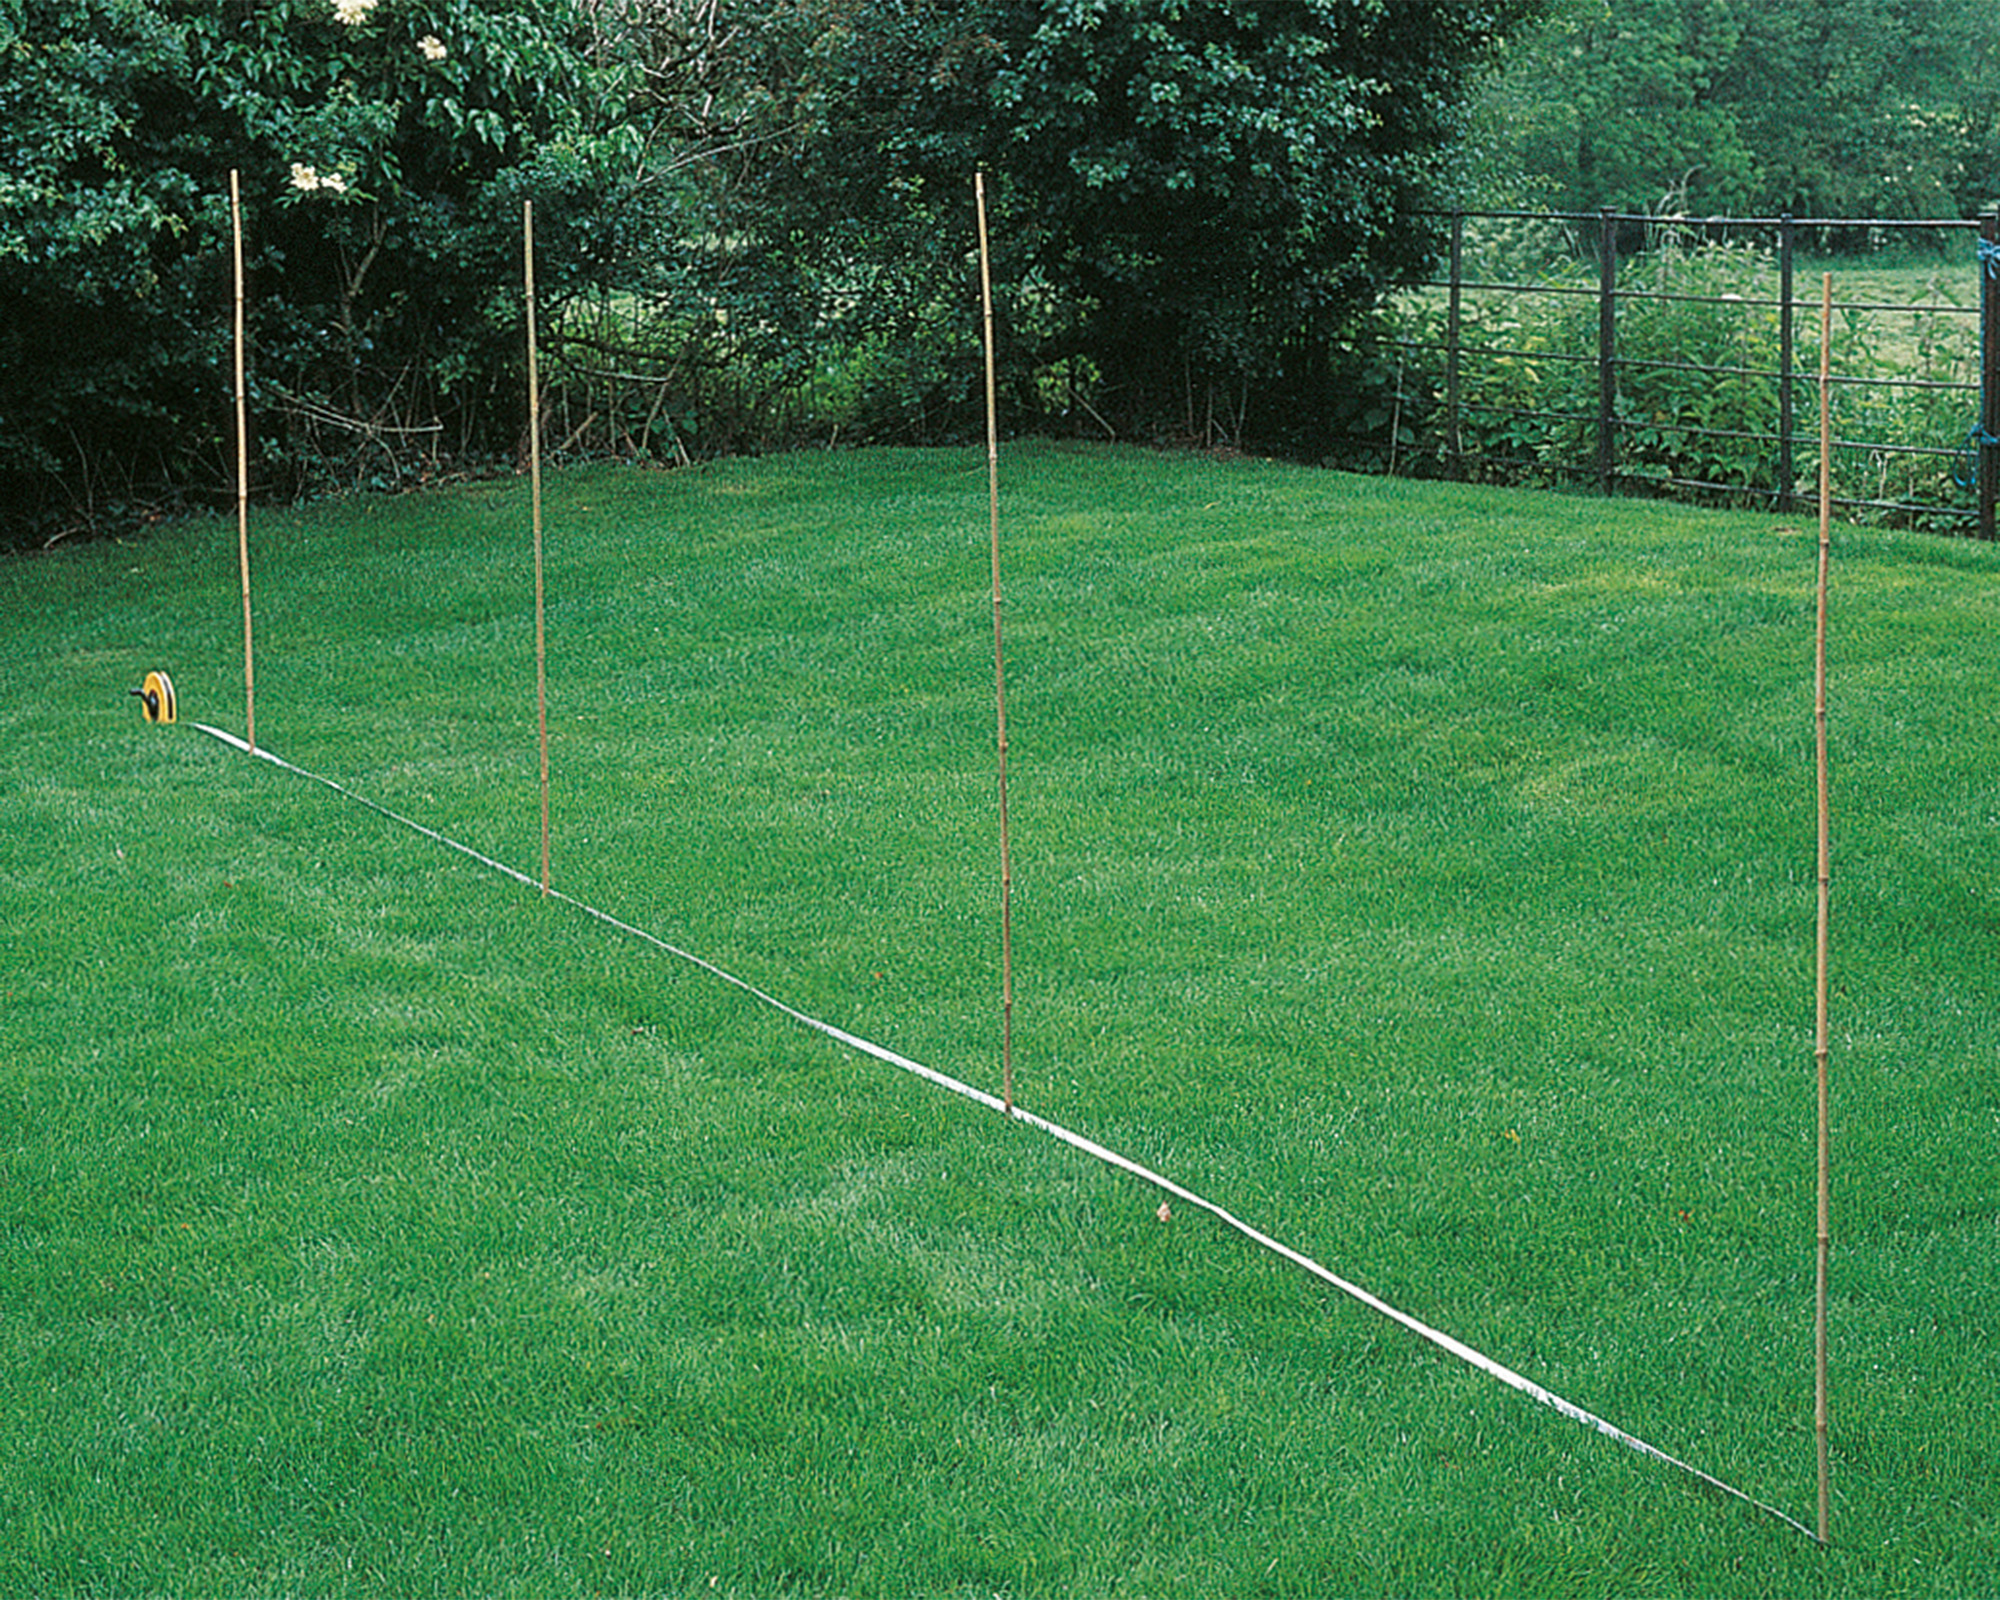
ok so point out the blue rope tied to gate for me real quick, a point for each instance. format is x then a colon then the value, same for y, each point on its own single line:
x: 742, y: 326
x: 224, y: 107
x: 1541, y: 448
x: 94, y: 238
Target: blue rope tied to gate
x: 1966, y: 473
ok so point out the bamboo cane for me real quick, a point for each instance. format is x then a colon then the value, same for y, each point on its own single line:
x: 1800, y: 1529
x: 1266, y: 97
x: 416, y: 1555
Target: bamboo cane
x: 535, y: 501
x: 1820, y: 1032
x: 242, y: 466
x: 999, y: 660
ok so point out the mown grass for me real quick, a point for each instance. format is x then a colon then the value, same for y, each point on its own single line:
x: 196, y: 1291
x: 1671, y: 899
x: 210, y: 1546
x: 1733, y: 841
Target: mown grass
x: 1424, y: 873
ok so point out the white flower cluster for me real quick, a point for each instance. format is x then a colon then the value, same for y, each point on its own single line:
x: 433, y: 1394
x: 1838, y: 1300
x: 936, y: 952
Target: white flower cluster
x: 432, y: 47
x: 352, y: 12
x: 306, y: 179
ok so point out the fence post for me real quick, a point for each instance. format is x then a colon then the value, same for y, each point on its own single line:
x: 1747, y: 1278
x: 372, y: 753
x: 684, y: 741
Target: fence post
x: 1454, y: 443
x: 1607, y: 349
x: 1786, y: 415
x: 1989, y: 370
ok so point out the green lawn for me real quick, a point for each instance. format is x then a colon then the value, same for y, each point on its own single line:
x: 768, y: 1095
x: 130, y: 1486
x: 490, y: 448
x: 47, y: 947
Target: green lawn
x: 1425, y: 874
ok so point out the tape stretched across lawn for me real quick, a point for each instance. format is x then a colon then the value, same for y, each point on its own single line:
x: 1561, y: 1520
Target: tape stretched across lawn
x: 1090, y: 1147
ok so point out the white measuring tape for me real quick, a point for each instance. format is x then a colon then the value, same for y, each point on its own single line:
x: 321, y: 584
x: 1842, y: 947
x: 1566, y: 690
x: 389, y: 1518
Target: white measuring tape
x: 1090, y: 1147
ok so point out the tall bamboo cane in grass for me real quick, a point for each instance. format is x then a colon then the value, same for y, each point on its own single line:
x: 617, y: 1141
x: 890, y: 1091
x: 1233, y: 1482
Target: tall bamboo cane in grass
x: 1820, y: 1030
x: 242, y: 464
x: 535, y: 500
x: 999, y: 659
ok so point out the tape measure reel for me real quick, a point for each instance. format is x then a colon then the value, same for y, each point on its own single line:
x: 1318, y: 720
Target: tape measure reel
x: 157, y: 697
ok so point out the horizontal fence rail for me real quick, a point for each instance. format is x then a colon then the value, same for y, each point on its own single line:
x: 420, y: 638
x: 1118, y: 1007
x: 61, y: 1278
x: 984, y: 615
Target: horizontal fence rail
x: 1665, y: 355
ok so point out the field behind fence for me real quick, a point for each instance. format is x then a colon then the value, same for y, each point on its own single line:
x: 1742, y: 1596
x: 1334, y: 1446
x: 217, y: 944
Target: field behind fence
x: 1681, y: 356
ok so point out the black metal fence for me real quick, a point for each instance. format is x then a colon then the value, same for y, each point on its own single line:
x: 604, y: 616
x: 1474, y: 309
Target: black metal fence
x: 1690, y: 365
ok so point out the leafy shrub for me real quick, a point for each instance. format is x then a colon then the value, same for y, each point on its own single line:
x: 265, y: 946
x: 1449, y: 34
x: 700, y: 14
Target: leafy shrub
x: 383, y: 147
x: 1697, y: 401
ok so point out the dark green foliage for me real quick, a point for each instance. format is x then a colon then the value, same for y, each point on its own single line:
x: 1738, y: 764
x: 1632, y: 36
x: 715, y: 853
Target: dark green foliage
x: 1191, y: 200
x: 383, y: 151
x: 1839, y: 108
x: 1194, y: 202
